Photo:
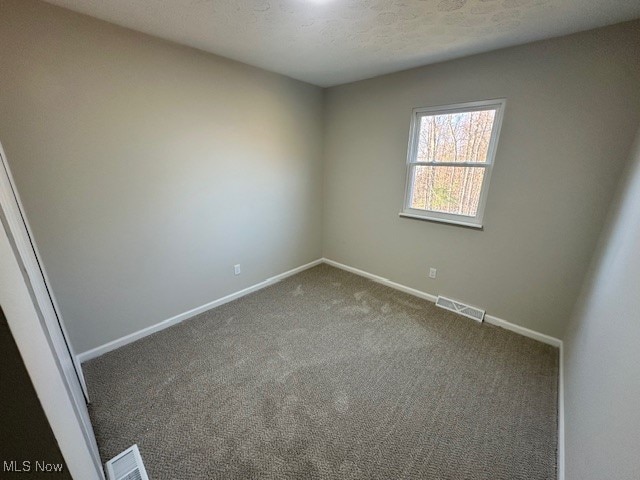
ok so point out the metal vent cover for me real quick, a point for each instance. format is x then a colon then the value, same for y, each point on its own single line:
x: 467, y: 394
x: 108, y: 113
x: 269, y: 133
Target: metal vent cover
x: 460, y: 308
x: 127, y: 466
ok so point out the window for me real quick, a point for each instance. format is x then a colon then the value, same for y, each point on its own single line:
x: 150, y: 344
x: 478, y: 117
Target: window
x: 449, y: 161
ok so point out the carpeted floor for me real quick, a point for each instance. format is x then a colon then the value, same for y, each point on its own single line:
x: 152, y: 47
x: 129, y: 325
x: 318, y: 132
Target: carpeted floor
x: 329, y: 375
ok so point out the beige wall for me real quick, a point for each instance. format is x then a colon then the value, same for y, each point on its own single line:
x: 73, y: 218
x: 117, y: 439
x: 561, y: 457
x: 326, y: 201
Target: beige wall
x: 148, y: 169
x: 602, y: 354
x: 572, y: 107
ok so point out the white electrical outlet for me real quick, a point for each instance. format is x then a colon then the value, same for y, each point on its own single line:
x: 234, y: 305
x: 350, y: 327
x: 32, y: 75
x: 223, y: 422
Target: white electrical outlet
x: 236, y: 269
x: 432, y: 272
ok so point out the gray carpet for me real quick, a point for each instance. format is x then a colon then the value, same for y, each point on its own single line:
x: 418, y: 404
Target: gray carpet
x: 329, y: 375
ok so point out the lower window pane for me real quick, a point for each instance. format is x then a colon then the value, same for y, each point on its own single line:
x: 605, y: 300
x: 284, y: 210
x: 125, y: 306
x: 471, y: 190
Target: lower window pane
x: 454, y: 190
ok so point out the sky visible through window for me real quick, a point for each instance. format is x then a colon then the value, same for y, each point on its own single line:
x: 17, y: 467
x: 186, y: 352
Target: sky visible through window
x: 464, y: 138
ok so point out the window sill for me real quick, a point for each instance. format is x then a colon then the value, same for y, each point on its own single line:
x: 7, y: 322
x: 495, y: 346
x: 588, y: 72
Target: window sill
x: 458, y: 223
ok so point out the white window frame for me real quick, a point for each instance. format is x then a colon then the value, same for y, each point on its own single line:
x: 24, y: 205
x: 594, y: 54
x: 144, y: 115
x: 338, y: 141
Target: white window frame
x: 475, y: 222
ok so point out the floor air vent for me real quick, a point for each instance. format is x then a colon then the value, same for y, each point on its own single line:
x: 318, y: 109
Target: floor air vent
x: 457, y: 307
x: 127, y: 466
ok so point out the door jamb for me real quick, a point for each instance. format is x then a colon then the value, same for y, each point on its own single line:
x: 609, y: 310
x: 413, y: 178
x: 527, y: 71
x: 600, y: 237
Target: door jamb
x: 28, y: 257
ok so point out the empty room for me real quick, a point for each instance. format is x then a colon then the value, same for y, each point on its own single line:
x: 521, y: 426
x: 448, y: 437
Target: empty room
x: 320, y: 239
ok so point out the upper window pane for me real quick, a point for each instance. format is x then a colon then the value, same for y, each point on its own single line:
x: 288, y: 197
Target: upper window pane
x: 455, y: 137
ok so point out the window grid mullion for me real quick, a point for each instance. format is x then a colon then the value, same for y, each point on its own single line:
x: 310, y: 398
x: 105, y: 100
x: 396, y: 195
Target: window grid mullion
x: 466, y: 207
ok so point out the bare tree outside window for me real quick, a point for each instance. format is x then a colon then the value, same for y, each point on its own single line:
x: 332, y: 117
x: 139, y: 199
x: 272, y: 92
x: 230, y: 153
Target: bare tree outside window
x: 450, y: 159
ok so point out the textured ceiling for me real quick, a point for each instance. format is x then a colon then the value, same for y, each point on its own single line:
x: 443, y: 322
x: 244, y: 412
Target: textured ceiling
x: 328, y: 42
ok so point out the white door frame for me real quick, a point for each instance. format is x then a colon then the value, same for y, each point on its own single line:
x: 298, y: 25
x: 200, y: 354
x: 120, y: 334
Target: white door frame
x: 26, y: 253
x: 23, y: 237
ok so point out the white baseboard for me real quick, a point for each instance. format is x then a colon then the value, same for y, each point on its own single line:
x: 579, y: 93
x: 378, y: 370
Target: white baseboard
x: 526, y: 332
x: 132, y: 337
x: 541, y: 337
x: 382, y: 280
x: 561, y: 460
